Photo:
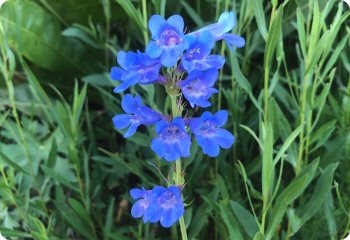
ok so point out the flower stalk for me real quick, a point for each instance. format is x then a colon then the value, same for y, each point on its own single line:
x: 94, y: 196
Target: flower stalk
x: 184, y: 65
x: 179, y: 180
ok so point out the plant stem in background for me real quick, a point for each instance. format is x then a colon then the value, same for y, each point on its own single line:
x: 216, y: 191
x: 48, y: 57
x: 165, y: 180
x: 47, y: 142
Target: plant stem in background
x: 144, y: 15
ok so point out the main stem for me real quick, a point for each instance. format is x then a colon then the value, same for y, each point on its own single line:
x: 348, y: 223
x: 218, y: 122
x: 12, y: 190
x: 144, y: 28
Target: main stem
x: 179, y: 180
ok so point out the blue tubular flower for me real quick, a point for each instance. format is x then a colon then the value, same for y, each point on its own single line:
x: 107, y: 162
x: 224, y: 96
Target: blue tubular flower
x: 208, y: 134
x: 197, y: 56
x: 167, y: 206
x: 135, y: 68
x: 168, y: 39
x: 144, y: 197
x: 198, y: 87
x: 172, y: 141
x: 137, y: 114
x: 226, y: 22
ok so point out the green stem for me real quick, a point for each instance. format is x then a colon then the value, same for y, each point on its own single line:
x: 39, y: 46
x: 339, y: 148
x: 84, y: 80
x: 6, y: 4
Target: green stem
x: 266, y: 93
x: 179, y: 179
x: 144, y: 15
x: 302, y: 120
x: 183, y: 228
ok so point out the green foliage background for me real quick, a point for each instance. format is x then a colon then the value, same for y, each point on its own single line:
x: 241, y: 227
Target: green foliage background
x: 65, y: 172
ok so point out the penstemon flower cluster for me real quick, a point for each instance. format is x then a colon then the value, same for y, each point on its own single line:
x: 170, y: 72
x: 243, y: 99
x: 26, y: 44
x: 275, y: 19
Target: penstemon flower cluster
x: 184, y: 65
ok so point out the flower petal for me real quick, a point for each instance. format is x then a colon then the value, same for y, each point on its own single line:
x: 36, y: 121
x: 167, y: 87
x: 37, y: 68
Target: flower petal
x: 185, y: 146
x: 195, y: 124
x: 215, y: 61
x: 168, y: 218
x: 138, y: 209
x: 220, y: 118
x: 169, y: 57
x: 153, y: 49
x: 122, y: 120
x: 121, y: 88
x: 116, y: 73
x: 155, y: 23
x: 209, y: 146
x: 161, y: 125
x: 180, y: 123
x: 121, y: 59
x: 137, y: 193
x: 234, y: 40
x: 158, y: 146
x: 172, y: 152
x: 224, y: 138
x: 153, y: 213
x: 132, y: 129
x: 176, y: 21
x: 210, y: 77
x: 129, y: 103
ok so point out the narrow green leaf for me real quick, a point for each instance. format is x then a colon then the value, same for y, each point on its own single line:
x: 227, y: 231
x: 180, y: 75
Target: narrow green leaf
x: 287, y: 143
x: 13, y: 164
x: 6, y: 193
x: 199, y: 221
x: 230, y: 222
x: 38, y: 89
x: 317, y: 53
x: 335, y: 55
x: 282, y: 128
x: 260, y: 17
x: 320, y: 102
x: 6, y: 232
x: 329, y: 213
x: 37, y: 228
x: 74, y: 220
x: 315, y: 28
x: 99, y: 79
x: 109, y: 218
x: 242, y: 80
x: 319, y: 195
x: 4, y: 116
x: 273, y: 37
x: 59, y: 178
x: 80, y: 210
x: 288, y: 195
x: 81, y: 35
x: 322, y: 134
x: 301, y: 31
x: 252, y: 133
x: 51, y: 161
x: 78, y: 104
x: 192, y: 13
x: 132, y: 12
x: 246, y: 219
x: 268, y: 169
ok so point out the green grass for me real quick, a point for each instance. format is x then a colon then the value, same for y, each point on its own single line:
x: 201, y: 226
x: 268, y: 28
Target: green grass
x: 65, y: 172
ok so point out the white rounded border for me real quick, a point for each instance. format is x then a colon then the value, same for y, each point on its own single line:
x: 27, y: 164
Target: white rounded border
x: 2, y: 2
x: 347, y: 2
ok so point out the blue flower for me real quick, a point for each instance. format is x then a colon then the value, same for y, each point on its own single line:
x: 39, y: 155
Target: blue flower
x: 198, y: 87
x: 168, y: 39
x: 167, y: 206
x: 172, y: 141
x: 226, y: 22
x: 144, y: 197
x: 137, y: 114
x: 159, y: 204
x: 135, y: 68
x: 197, y: 56
x: 208, y: 133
